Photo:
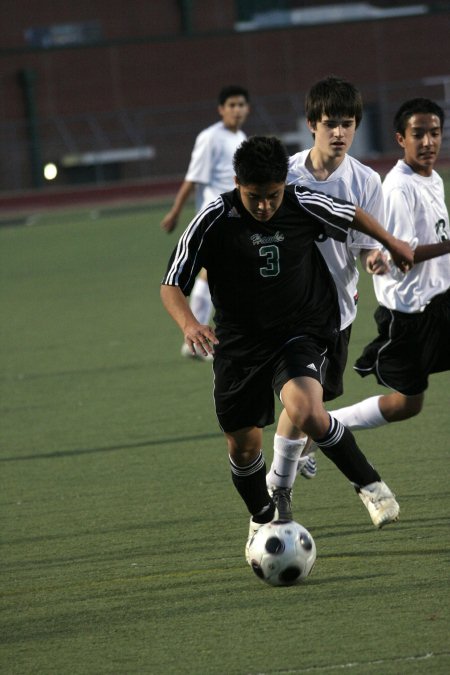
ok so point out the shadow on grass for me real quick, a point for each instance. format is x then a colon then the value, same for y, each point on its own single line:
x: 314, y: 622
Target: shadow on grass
x: 349, y: 529
x: 57, y: 454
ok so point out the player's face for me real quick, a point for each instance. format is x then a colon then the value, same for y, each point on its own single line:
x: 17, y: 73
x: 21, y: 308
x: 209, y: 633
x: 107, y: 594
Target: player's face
x: 333, y: 136
x: 234, y: 112
x: 261, y: 201
x: 421, y: 142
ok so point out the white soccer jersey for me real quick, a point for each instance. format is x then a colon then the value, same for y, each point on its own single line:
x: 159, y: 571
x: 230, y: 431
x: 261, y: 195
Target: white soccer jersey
x: 356, y: 183
x: 415, y: 212
x: 211, y: 165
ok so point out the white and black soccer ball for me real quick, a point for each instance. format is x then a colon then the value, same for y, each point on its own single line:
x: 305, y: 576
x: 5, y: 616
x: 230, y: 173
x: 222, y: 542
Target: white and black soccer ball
x: 282, y: 553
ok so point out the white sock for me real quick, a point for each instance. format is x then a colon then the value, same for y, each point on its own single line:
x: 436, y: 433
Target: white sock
x: 286, y: 454
x: 363, y: 415
x: 200, y: 301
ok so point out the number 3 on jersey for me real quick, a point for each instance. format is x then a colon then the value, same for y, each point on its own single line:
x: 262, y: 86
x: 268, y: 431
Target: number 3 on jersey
x: 272, y: 260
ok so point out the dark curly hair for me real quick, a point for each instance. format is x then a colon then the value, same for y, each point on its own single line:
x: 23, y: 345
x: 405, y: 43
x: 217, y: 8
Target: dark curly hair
x: 259, y: 160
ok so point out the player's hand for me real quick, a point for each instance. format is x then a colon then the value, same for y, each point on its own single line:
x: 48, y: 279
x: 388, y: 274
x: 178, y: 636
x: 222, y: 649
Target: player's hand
x: 402, y: 254
x: 200, y: 339
x: 169, y: 223
x: 376, y: 262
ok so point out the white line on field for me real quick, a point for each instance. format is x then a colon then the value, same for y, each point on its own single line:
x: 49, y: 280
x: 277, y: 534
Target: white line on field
x: 353, y: 664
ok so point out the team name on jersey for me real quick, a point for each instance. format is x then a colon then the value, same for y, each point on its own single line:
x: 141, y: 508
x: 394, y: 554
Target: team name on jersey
x: 258, y: 239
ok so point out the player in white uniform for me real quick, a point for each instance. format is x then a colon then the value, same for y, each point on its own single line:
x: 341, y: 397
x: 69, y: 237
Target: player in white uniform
x: 413, y: 318
x: 333, y: 112
x: 210, y: 173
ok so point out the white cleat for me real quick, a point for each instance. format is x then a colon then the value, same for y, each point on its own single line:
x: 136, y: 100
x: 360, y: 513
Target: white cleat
x: 380, y: 503
x: 252, y: 530
x: 307, y: 466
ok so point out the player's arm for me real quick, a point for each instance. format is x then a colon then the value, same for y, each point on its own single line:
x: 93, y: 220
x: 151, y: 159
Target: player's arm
x: 429, y: 251
x: 169, y: 222
x: 326, y: 208
x: 196, y: 335
x: 401, y: 252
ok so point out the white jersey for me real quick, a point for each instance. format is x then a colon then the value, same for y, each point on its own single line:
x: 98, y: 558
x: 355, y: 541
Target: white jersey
x: 211, y: 165
x: 415, y: 212
x: 361, y: 185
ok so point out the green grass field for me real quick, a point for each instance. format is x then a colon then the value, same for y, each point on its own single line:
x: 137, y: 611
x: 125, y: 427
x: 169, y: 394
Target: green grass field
x: 122, y: 536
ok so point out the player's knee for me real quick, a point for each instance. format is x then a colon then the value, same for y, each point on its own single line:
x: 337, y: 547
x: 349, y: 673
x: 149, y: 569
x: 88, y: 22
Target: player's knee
x: 316, y: 423
x: 244, y: 446
x: 398, y: 407
x: 413, y: 405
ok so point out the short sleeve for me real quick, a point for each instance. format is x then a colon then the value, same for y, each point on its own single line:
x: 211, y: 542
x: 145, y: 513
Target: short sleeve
x: 201, y: 163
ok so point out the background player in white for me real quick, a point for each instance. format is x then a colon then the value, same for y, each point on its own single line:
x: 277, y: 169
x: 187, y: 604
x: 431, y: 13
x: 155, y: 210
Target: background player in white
x: 210, y: 173
x: 413, y: 318
x: 334, y: 111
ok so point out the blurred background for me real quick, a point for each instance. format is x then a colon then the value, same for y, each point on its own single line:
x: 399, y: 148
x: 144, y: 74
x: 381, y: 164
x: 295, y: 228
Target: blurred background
x: 112, y: 93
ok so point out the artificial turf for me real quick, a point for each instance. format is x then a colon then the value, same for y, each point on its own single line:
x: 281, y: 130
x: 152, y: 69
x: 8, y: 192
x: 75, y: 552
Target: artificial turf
x: 122, y: 536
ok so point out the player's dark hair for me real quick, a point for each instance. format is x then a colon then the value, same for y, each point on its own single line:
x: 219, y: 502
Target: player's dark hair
x: 413, y: 107
x: 333, y: 97
x: 232, y: 90
x: 259, y: 160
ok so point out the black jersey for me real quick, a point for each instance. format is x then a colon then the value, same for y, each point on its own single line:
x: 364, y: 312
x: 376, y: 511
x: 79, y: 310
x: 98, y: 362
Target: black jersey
x: 268, y: 281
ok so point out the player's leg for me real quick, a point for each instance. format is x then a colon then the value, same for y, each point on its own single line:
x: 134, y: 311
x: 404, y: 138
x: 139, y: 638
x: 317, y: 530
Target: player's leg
x: 302, y: 398
x: 288, y: 447
x: 244, y: 405
x: 290, y: 442
x: 248, y: 473
x: 299, y: 357
x: 407, y: 350
x: 377, y: 411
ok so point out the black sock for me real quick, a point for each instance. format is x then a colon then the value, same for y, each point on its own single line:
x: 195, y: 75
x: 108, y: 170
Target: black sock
x: 250, y: 482
x: 340, y: 446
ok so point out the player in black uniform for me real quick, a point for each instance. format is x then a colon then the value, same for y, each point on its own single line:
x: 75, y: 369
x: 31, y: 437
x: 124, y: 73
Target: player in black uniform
x: 276, y: 316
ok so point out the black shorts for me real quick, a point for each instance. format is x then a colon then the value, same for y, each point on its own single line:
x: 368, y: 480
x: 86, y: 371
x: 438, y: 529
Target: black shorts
x: 244, y: 394
x: 409, y: 347
x: 333, y: 385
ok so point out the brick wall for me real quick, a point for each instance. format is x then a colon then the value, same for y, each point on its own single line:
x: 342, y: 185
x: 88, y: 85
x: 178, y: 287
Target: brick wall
x: 167, y: 83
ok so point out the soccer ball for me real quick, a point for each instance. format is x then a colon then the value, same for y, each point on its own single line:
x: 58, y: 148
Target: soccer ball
x: 282, y: 553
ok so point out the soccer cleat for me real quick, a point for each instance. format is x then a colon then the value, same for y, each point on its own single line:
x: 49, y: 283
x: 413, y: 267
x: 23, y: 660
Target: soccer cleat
x: 307, y: 466
x: 186, y: 352
x: 380, y: 503
x: 282, y: 498
x: 252, y: 530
